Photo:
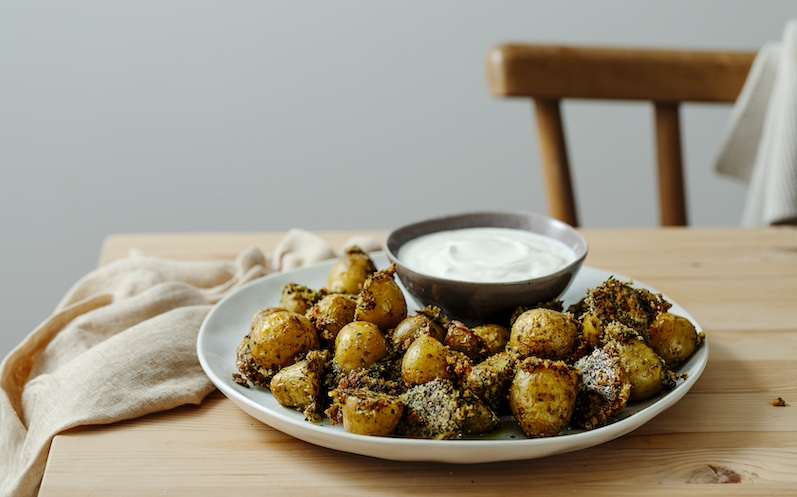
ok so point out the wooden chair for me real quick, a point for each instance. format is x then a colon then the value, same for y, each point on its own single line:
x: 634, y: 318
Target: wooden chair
x: 548, y: 74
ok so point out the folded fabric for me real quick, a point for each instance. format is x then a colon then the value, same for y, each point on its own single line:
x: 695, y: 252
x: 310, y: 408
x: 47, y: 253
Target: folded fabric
x: 121, y: 344
x: 760, y: 146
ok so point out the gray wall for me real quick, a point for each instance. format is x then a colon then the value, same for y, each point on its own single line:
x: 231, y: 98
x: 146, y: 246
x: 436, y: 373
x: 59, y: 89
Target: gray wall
x: 157, y: 116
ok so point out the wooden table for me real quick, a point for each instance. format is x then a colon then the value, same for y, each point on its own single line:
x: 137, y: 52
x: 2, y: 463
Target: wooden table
x: 741, y: 285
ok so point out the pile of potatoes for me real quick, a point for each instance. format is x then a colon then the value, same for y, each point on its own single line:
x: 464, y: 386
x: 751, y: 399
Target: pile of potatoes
x: 350, y: 353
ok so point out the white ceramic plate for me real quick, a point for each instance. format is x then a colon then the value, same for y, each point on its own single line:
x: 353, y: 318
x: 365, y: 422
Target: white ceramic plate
x: 228, y: 322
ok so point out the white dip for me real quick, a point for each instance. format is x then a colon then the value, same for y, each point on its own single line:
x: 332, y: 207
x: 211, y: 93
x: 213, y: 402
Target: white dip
x: 485, y: 254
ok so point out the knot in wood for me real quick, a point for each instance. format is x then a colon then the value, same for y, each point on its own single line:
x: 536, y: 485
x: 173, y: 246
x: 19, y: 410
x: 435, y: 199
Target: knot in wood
x: 714, y: 474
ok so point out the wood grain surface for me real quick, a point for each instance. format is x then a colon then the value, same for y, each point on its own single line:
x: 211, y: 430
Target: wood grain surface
x: 723, y: 438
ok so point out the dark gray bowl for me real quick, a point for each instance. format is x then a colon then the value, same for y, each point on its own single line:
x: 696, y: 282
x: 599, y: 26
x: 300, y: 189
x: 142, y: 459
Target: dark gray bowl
x: 478, y: 303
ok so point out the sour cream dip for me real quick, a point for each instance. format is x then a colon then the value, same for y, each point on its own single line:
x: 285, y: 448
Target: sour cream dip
x: 487, y: 255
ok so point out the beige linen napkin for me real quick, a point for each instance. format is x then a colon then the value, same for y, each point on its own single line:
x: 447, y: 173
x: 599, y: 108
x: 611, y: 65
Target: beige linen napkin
x: 120, y: 344
x: 760, y: 146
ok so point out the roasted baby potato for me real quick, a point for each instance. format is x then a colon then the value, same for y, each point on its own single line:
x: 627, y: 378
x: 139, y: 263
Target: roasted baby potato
x: 673, y: 337
x: 331, y: 313
x: 300, y: 385
x: 490, y: 379
x: 495, y: 336
x: 426, y: 321
x: 279, y: 338
x: 381, y: 301
x: 544, y: 333
x: 427, y: 359
x: 298, y: 298
x: 591, y: 329
x: 260, y: 314
x: 359, y: 344
x: 350, y: 271
x: 478, y: 418
x: 647, y: 372
x: 543, y: 396
x: 461, y: 338
x: 370, y: 413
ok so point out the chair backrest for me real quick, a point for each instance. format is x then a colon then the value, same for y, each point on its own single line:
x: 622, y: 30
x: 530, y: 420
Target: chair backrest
x: 548, y: 74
